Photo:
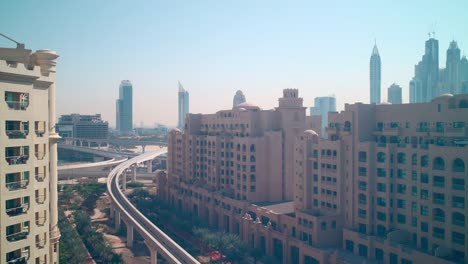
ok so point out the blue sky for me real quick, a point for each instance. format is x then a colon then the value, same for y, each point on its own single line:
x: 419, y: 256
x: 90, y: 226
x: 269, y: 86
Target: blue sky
x: 217, y: 47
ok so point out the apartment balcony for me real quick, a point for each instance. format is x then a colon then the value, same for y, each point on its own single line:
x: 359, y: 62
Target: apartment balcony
x: 15, y: 211
x: 18, y: 260
x: 41, y: 220
x: 17, y: 101
x: 17, y: 185
x: 387, y: 131
x: 40, y: 199
x: 40, y: 241
x: 17, y: 236
x: 40, y: 177
x: 40, y: 155
x: 16, y: 134
x: 17, y: 105
x: 39, y: 128
x: 16, y: 160
x: 455, y: 132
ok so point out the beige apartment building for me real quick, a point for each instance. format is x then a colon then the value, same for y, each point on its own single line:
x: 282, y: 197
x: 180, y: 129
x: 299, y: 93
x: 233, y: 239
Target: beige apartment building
x: 28, y: 160
x: 387, y: 186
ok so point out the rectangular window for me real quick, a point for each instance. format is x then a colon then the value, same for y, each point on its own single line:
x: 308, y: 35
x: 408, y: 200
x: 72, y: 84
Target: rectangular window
x: 424, y: 178
x: 401, y: 219
x: 362, y: 171
x: 381, y: 187
x: 381, y: 216
x: 424, y: 227
x: 414, y: 191
x: 381, y: 201
x: 424, y: 210
x: 458, y: 184
x: 438, y: 233
x: 381, y: 172
x: 438, y: 198
x: 362, y: 213
x: 424, y: 194
x: 401, y: 188
x: 439, y: 181
x: 401, y: 174
x: 458, y: 202
x: 401, y: 204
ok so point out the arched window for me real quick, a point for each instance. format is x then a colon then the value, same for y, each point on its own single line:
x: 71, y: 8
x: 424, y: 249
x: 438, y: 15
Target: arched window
x: 362, y: 199
x: 252, y: 158
x: 252, y: 148
x: 238, y: 147
x: 401, y: 158
x: 414, y: 159
x: 458, y: 165
x: 438, y: 215
x: 329, y: 152
x: 424, y: 161
x: 438, y: 164
x: 381, y: 157
x: 458, y: 219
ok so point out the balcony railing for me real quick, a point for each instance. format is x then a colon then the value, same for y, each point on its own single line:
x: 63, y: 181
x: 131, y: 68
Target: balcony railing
x: 15, y: 134
x: 17, y: 105
x: 40, y: 132
x: 19, y: 260
x: 40, y: 243
x: 18, y: 236
x: 439, y: 201
x: 459, y: 187
x: 439, y: 219
x: 40, y: 221
x: 41, y: 198
x: 40, y: 177
x: 18, y: 210
x: 40, y: 155
x: 458, y: 205
x: 14, y: 160
x: 13, y: 186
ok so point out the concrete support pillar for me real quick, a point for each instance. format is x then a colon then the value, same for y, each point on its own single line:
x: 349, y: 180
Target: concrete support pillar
x: 129, y: 235
x: 143, y: 147
x: 112, y: 212
x: 154, y: 256
x: 150, y: 166
x: 153, y: 253
x: 134, y: 178
x: 124, y: 180
x: 117, y: 220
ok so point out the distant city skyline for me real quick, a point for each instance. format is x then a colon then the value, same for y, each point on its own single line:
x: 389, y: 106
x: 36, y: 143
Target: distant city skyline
x: 217, y: 48
x: 183, y: 106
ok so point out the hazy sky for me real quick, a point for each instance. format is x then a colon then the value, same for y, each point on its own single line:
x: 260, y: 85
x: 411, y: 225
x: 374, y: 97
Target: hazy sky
x: 217, y: 47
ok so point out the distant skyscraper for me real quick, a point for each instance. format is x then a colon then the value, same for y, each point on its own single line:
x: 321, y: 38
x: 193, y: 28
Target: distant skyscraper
x: 394, y: 94
x: 427, y: 71
x: 415, y: 91
x: 183, y: 106
x: 239, y: 98
x: 375, y: 76
x: 452, y: 68
x: 323, y: 105
x: 124, y: 107
x: 464, y: 75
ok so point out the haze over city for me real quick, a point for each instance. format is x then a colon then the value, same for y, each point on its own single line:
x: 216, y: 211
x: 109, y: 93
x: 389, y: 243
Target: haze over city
x: 215, y: 48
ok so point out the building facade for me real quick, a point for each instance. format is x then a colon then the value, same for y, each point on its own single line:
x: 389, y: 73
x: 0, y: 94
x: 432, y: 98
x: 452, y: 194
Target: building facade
x: 322, y: 106
x: 388, y: 186
x: 82, y: 126
x: 28, y: 160
x: 183, y: 106
x: 375, y: 76
x: 394, y: 94
x: 124, y: 108
x: 239, y: 98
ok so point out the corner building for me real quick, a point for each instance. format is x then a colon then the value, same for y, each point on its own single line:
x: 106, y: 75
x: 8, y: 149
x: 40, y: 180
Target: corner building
x: 392, y: 179
x: 28, y: 160
x: 387, y: 186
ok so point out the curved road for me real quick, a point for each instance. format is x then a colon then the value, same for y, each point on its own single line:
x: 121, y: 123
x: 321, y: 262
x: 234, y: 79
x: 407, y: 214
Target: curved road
x: 153, y: 236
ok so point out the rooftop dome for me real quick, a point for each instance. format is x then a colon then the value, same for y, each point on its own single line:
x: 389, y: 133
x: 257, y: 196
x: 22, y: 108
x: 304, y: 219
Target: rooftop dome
x: 310, y: 132
x: 248, y: 106
x: 442, y: 96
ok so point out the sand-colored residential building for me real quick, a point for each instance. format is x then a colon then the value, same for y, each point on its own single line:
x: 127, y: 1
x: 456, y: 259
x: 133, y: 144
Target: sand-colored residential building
x: 387, y: 186
x: 28, y: 160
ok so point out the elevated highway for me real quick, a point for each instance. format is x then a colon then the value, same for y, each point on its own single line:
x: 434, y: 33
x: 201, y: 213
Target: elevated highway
x: 122, y: 210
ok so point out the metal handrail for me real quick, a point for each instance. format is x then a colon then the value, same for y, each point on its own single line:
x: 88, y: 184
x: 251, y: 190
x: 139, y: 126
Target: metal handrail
x: 14, y: 134
x: 12, y: 186
x: 18, y: 210
x: 13, y: 160
x: 17, y: 105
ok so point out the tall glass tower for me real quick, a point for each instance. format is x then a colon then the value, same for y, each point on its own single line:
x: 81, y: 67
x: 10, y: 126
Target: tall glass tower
x: 183, y: 106
x: 124, y: 107
x: 375, y: 76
